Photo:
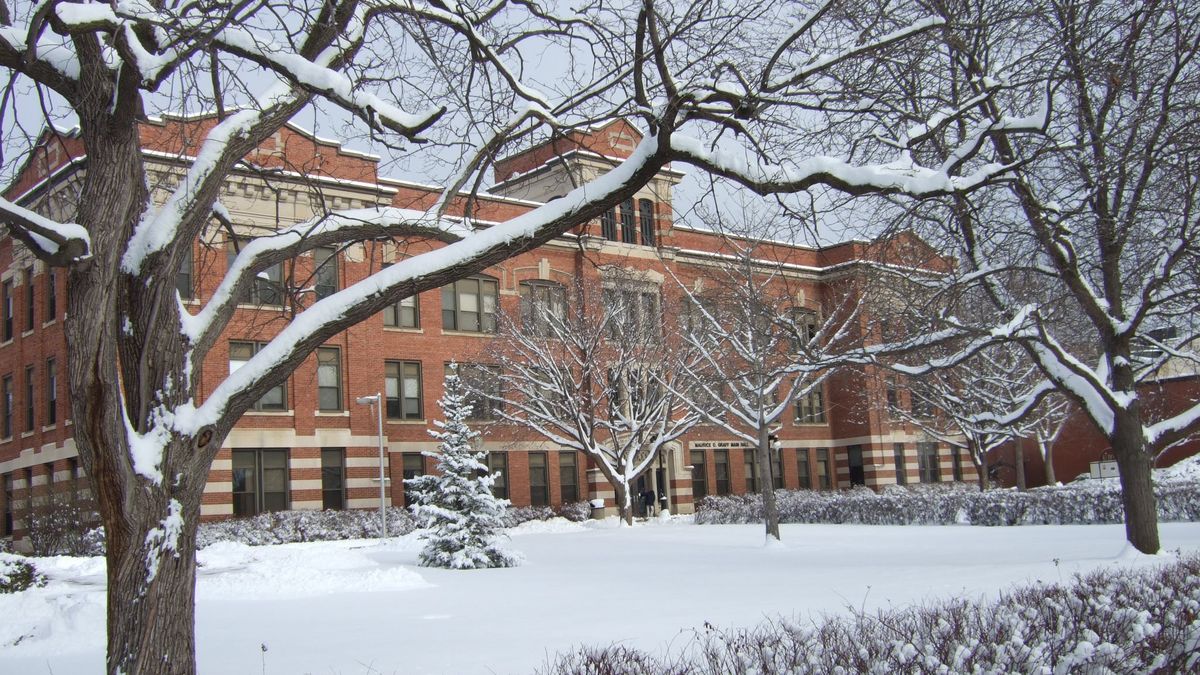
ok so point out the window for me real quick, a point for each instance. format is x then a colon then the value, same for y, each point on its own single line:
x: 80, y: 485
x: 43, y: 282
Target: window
x: 777, y: 469
x: 646, y: 220
x: 469, y: 305
x: 804, y: 323
x: 8, y: 505
x: 824, y: 470
x: 803, y: 471
x: 184, y: 283
x: 568, y: 476
x: 412, y: 465
x: 539, y: 485
x: 901, y: 471
x: 893, y: 395
x: 927, y: 462
x: 854, y: 461
x: 608, y: 225
x: 402, y: 382
x: 239, y: 354
x: 30, y: 308
x: 267, y: 286
x: 260, y: 481
x: 333, y: 478
x: 497, y: 463
x: 51, y: 295
x: 721, y: 465
x: 628, y: 222
x: 634, y: 312
x: 73, y: 477
x: 694, y: 320
x: 750, y: 457
x: 51, y: 392
x: 7, y: 421
x: 484, y: 392
x: 403, y: 314
x: 921, y: 407
x: 29, y: 399
x: 325, y: 272
x: 543, y: 304
x: 956, y: 461
x: 810, y: 408
x: 699, y: 476
x: 329, y: 379
x: 7, y: 299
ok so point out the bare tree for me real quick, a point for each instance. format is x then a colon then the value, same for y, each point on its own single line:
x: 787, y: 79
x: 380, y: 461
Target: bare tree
x: 595, y: 370
x: 759, y: 350
x: 1087, y: 253
x: 726, y: 86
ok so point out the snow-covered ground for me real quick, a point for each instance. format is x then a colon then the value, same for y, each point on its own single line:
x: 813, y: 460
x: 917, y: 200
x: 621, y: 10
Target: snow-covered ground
x: 362, y: 607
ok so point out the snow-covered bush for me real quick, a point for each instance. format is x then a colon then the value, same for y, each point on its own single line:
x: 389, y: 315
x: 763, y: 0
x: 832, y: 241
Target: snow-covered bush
x: 1112, y: 620
x: 63, y: 524
x: 938, y: 505
x: 576, y: 512
x: 286, y: 527
x: 456, y: 505
x: 18, y: 574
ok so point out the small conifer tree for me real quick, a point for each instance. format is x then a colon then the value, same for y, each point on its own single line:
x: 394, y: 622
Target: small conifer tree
x: 457, y: 506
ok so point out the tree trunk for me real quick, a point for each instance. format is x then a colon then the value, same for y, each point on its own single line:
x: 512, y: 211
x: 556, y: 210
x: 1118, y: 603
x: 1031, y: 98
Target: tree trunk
x: 1019, y: 463
x: 151, y: 592
x: 766, y: 485
x: 1047, y: 451
x: 1137, y: 488
x: 624, y: 502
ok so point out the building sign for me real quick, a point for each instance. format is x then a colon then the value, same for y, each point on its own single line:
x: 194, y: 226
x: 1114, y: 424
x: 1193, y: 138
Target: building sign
x: 718, y: 445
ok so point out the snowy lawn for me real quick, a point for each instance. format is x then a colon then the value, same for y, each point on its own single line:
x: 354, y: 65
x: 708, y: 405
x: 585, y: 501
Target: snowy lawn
x: 360, y: 607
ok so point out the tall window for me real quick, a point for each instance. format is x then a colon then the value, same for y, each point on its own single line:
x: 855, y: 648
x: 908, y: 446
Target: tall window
x: 403, y: 314
x: 810, y: 408
x: 539, y: 483
x: 184, y: 281
x: 721, y: 468
x: 699, y: 475
x: 750, y: 457
x: 542, y: 303
x: 402, y: 381
x: 51, y: 392
x: 777, y: 469
x: 646, y: 220
x: 7, y: 421
x: 893, y: 394
x: 482, y: 383
x: 608, y: 225
x: 803, y: 472
x: 927, y: 462
x: 51, y: 295
x: 325, y: 272
x: 901, y: 470
x: 260, y: 481
x: 628, y: 222
x: 267, y: 286
x: 804, y: 323
x: 329, y: 379
x: 412, y: 466
x: 8, y: 505
x: 30, y: 307
x: 824, y: 470
x: 956, y: 463
x: 568, y: 476
x: 497, y: 463
x: 470, y: 305
x: 239, y: 353
x: 333, y: 478
x: 30, y: 406
x: 634, y: 311
x: 6, y: 298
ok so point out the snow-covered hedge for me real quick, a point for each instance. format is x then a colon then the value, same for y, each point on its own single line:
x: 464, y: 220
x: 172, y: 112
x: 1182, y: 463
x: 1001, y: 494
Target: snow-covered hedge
x: 1110, y: 621
x: 576, y: 512
x: 286, y: 527
x: 18, y: 574
x: 944, y: 505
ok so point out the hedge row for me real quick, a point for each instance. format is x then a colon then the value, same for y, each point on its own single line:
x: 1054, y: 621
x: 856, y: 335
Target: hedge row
x: 924, y: 505
x: 1110, y: 621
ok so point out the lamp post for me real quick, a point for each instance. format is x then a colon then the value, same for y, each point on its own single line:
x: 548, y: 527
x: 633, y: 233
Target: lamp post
x: 376, y: 402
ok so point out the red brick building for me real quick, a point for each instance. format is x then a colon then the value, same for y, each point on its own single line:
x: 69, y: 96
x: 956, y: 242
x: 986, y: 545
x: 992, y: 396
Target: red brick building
x: 307, y: 444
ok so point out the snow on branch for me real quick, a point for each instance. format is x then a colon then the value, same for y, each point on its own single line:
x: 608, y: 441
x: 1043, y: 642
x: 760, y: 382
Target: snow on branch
x: 900, y: 177
x: 57, y: 243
